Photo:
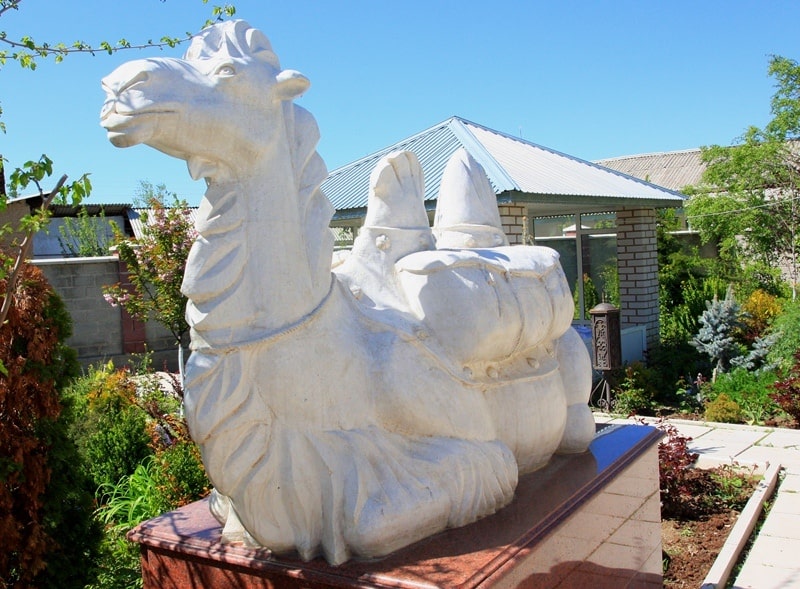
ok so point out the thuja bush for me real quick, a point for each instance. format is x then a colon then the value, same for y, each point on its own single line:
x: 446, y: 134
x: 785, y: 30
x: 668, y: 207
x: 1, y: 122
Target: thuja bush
x: 48, y: 538
x: 723, y: 409
x: 111, y: 430
x: 150, y: 464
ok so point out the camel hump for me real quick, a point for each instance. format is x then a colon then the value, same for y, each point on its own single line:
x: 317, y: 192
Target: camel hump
x: 532, y: 261
x: 490, y: 304
x: 466, y: 208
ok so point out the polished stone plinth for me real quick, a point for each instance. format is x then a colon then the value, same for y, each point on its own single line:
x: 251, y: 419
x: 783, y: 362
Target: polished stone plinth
x: 589, y: 520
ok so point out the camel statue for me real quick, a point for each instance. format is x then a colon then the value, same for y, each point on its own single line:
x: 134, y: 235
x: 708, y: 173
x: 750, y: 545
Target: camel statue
x: 348, y: 412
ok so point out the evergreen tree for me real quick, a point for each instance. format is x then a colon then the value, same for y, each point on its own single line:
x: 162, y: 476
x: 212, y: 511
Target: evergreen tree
x: 716, y: 337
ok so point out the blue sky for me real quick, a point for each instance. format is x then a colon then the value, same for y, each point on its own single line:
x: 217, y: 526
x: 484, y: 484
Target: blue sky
x: 593, y: 79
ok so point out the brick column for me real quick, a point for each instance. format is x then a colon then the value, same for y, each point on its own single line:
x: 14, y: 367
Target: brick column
x: 513, y: 218
x: 637, y: 263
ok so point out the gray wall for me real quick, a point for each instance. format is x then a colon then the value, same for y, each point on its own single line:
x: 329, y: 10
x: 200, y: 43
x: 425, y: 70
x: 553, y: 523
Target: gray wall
x: 97, y: 326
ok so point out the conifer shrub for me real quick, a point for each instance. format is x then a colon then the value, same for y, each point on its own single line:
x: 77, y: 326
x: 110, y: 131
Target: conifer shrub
x: 723, y: 409
x: 759, y: 310
x: 48, y: 538
x: 111, y: 430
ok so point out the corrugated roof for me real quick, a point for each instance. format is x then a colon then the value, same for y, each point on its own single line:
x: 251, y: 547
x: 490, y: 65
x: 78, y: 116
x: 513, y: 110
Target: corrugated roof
x: 672, y: 169
x: 93, y: 210
x: 521, y: 170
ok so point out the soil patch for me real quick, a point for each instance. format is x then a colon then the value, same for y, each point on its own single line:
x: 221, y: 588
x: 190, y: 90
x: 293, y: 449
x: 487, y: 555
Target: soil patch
x: 691, y: 547
x: 696, y: 522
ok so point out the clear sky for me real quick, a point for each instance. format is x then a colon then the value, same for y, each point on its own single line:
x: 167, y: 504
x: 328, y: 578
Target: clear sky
x: 592, y: 78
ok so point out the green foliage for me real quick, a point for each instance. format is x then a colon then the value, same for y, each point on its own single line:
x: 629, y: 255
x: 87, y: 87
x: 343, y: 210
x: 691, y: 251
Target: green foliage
x: 68, y: 507
x: 84, y: 236
x: 636, y: 392
x: 26, y: 51
x: 723, y: 409
x: 747, y: 202
x: 590, y: 297
x: 119, y: 566
x: 786, y: 328
x: 133, y: 498
x: 180, y: 476
x: 111, y: 430
x: 683, y: 304
x: 750, y: 390
x: 733, y: 486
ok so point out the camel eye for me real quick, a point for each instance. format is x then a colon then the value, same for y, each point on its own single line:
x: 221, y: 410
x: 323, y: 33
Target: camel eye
x: 225, y: 71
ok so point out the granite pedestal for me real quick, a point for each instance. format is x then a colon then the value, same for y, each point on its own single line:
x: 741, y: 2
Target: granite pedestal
x: 588, y: 520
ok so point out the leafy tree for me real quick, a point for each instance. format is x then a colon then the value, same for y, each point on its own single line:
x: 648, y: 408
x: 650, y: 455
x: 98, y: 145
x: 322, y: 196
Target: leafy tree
x: 748, y: 198
x: 83, y: 236
x: 155, y: 263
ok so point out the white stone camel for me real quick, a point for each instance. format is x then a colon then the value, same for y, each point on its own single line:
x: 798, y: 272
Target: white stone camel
x: 353, y: 412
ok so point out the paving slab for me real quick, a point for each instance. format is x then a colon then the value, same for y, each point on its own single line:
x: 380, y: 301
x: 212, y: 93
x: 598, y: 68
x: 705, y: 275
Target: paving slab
x: 789, y: 458
x: 782, y: 439
x: 761, y: 576
x: 725, y: 445
x: 775, y: 552
x: 787, y: 526
x: 787, y: 502
x: 791, y: 483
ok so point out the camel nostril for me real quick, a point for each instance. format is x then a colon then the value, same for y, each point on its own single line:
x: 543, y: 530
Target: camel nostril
x: 123, y: 78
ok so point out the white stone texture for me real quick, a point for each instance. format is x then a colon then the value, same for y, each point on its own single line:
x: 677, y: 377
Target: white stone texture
x: 354, y: 412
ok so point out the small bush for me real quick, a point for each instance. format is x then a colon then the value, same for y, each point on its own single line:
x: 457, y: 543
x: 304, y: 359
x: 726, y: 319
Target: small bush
x: 733, y: 486
x: 724, y: 410
x: 111, y: 430
x: 786, y: 392
x: 750, y: 390
x: 636, y: 393
x: 180, y: 475
x: 759, y: 311
x: 675, y: 472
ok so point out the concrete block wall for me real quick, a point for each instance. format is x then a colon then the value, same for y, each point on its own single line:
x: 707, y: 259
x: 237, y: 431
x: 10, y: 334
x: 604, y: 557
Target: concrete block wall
x: 102, y: 332
x: 637, y: 262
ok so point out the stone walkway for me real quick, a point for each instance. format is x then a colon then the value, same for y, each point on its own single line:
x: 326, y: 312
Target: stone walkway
x: 774, y: 559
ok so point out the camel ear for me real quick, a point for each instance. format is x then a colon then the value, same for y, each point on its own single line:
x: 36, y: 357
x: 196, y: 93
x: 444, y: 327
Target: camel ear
x: 290, y: 84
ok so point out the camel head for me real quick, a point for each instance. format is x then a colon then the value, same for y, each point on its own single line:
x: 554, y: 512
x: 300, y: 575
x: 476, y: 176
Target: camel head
x: 218, y: 108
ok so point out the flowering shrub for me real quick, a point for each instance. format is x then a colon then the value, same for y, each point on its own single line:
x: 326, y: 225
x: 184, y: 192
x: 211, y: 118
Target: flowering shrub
x: 155, y: 264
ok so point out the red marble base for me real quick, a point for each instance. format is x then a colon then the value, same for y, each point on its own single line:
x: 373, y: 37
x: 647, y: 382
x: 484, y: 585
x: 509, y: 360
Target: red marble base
x: 589, y: 520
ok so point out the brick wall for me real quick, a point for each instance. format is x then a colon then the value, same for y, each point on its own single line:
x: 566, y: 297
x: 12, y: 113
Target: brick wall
x: 513, y: 218
x: 638, y: 270
x: 102, y: 332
